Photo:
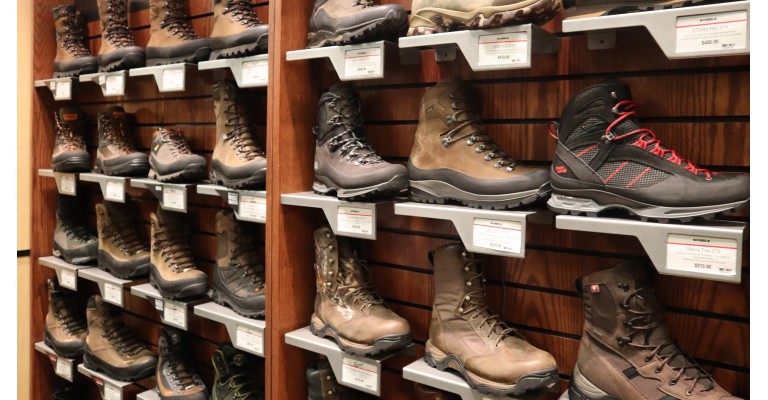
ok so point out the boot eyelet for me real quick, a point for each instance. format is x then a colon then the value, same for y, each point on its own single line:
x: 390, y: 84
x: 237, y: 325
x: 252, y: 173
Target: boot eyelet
x: 466, y: 297
x: 469, y: 283
x: 461, y: 310
x: 657, y: 370
x: 466, y: 269
x: 648, y: 359
x: 673, y: 382
x: 689, y: 393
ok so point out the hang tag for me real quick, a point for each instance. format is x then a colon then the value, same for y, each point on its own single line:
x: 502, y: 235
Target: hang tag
x: 250, y: 339
x: 115, y: 191
x: 64, y: 368
x: 712, y: 32
x: 67, y: 184
x: 506, y: 236
x: 111, y: 392
x: 253, y: 207
x: 360, y: 373
x: 173, y: 79
x: 173, y: 198
x: 175, y: 313
x: 503, y: 49
x: 255, y: 72
x: 706, y: 255
x: 113, y: 294
x: 69, y: 279
x: 114, y: 86
x: 63, y: 90
x: 363, y: 62
x: 355, y: 220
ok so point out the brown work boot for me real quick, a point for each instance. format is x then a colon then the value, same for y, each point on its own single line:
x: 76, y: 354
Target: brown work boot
x: 454, y: 158
x: 347, y: 308
x: 238, y: 162
x: 323, y: 385
x: 65, y: 326
x: 176, y: 376
x: 73, y: 57
x: 434, y: 16
x: 171, y: 159
x: 172, y: 39
x: 465, y: 336
x: 342, y: 22
x: 123, y: 251
x: 69, y: 151
x: 172, y: 268
x: 117, y: 154
x: 118, y: 49
x: 627, y: 351
x: 237, y: 30
x: 111, y: 348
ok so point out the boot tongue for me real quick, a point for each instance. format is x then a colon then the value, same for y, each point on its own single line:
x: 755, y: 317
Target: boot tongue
x: 619, y: 91
x: 115, y: 112
x: 347, y: 105
x: 69, y: 115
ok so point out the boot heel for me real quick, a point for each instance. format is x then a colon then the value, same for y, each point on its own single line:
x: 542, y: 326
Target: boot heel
x: 425, y: 197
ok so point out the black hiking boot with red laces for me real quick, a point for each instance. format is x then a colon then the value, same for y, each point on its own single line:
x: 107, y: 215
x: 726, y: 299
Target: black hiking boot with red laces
x: 604, y: 160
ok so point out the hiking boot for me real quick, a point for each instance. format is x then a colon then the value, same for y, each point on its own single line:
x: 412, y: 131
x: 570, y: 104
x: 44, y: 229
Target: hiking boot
x: 341, y: 22
x: 596, y: 8
x: 68, y: 392
x: 123, y: 251
x: 454, y: 158
x: 627, y: 351
x: 111, y: 348
x: 235, y: 377
x: 465, y: 336
x: 238, y: 162
x: 324, y: 386
x: 172, y: 39
x: 237, y: 30
x: 118, y: 49
x: 347, y: 308
x: 176, y: 375
x: 65, y: 326
x: 345, y: 163
x: 171, y: 160
x: 73, y: 56
x: 117, y: 154
x: 435, y: 16
x: 172, y: 268
x: 605, y: 160
x: 73, y: 239
x: 238, y: 278
x: 69, y: 151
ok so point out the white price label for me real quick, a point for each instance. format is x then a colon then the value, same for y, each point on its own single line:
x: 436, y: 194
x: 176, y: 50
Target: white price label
x: 360, y: 373
x: 63, y: 90
x: 506, y: 236
x: 706, y: 255
x: 173, y: 79
x: 102, y: 79
x: 173, y: 198
x: 255, y: 72
x: 355, y: 220
x: 175, y: 314
x: 233, y: 198
x: 253, y: 207
x: 113, y: 294
x: 503, y: 49
x: 250, y: 339
x: 159, y: 305
x: 52, y: 85
x: 111, y: 392
x: 712, y: 32
x: 67, y: 184
x: 64, y: 368
x: 69, y: 279
x: 114, y: 86
x: 363, y: 62
x: 115, y: 191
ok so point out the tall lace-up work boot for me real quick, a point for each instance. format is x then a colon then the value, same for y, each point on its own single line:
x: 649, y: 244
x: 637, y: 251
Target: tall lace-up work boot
x: 172, y: 269
x: 606, y: 160
x: 341, y: 22
x: 117, y: 154
x: 176, y: 375
x: 171, y: 160
x: 238, y: 279
x: 73, y: 56
x: 69, y: 151
x: 323, y: 385
x: 118, y: 49
x: 465, y: 336
x: 235, y: 378
x: 73, y: 239
x: 111, y: 348
x: 123, y: 251
x: 627, y: 351
x: 65, y: 326
x: 345, y: 163
x: 237, y: 30
x: 172, y: 39
x: 238, y: 161
x: 347, y: 308
x: 454, y: 158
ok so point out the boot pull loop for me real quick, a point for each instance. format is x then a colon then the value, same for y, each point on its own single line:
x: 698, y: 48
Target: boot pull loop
x: 579, y: 288
x: 556, y: 133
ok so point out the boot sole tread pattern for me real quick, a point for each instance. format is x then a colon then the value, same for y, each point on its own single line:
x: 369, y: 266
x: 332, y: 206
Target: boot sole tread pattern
x: 223, y: 300
x: 191, y: 173
x: 57, y: 252
x: 200, y: 54
x: 191, y: 290
x: 128, y: 168
x: 245, y: 50
x: 395, y: 186
x: 374, y: 31
x: 95, y: 364
x: 254, y: 182
x: 517, y: 200
x: 383, y: 344
x: 445, y: 20
x: 104, y: 265
x: 49, y: 342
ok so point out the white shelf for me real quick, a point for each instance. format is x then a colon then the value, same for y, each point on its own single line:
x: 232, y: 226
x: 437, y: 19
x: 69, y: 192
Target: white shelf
x: 66, y: 183
x: 249, y: 72
x: 346, y: 218
x: 112, y: 187
x: 110, y: 287
x: 172, y: 196
x: 248, y: 205
x: 108, y: 387
x: 245, y: 333
x: 65, y: 272
x: 169, y: 78
x: 111, y: 83
x: 148, y: 395
x: 172, y: 312
x: 63, y: 367
x: 61, y: 88
x: 351, y: 62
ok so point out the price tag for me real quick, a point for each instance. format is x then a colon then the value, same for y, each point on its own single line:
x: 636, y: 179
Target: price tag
x: 255, y: 72
x: 63, y: 90
x: 363, y: 62
x: 355, y: 220
x: 173, y: 198
x: 503, y: 49
x: 253, y: 207
x: 102, y: 79
x: 115, y: 85
x: 115, y: 191
x: 112, y: 392
x: 706, y: 255
x: 360, y: 373
x: 69, y: 279
x: 173, y: 79
x: 64, y: 368
x: 159, y: 305
x: 506, y: 236
x: 233, y: 198
x: 712, y: 32
x: 67, y: 184
x: 52, y: 85
x: 113, y: 294
x: 250, y: 339
x: 175, y: 314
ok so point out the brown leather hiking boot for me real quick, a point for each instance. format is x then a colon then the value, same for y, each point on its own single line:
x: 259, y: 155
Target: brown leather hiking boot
x: 346, y: 306
x: 172, y: 269
x: 342, y: 22
x: 171, y: 160
x: 111, y: 348
x: 65, y: 326
x: 123, y: 251
x: 117, y: 154
x: 434, y: 16
x: 118, y: 49
x: 172, y: 39
x: 237, y: 30
x: 69, y: 151
x: 465, y: 336
x: 73, y: 57
x: 453, y: 158
x: 627, y: 351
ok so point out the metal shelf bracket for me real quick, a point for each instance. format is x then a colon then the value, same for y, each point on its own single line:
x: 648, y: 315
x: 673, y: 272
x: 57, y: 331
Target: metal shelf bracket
x: 63, y: 367
x: 249, y: 72
x: 169, y: 78
x: 112, y: 187
x: 352, y: 62
x: 172, y: 196
x: 172, y: 312
x: 109, y: 388
x: 248, y: 205
x: 246, y: 334
x: 60, y: 87
x: 65, y: 272
x: 111, y: 83
x: 351, y: 219
x: 110, y: 287
x: 66, y: 183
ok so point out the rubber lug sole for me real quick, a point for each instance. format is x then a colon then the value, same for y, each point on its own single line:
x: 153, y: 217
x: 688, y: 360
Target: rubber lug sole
x: 257, y: 180
x: 383, y: 344
x: 72, y: 164
x: 132, y: 60
x: 96, y: 364
x: 49, y: 342
x: 129, y: 168
x: 435, y: 192
x: 73, y: 260
x: 393, y: 187
x: 223, y: 300
x: 431, y: 20
x: 191, y: 173
x: 191, y: 290
x: 200, y: 54
x: 379, y: 29
x: 104, y: 265
x: 245, y: 50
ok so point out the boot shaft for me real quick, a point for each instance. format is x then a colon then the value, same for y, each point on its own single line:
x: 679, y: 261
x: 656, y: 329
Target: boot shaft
x: 169, y: 145
x: 113, y: 21
x: 119, y: 230
x: 169, y: 25
x: 114, y: 138
x: 231, y: 17
x: 234, y: 375
x: 71, y: 33
x: 237, y: 259
x: 336, y: 262
x: 171, y: 253
x: 339, y: 110
x: 70, y: 122
x: 235, y: 143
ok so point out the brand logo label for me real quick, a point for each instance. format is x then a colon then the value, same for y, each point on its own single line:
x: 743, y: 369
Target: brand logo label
x: 70, y: 117
x: 561, y: 169
x: 594, y: 288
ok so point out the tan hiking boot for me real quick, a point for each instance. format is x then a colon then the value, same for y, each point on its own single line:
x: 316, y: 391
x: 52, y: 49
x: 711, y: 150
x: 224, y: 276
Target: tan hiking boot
x: 343, y: 22
x: 171, y: 159
x: 123, y: 251
x: 118, y: 49
x: 627, y: 351
x: 117, y: 154
x: 73, y: 57
x: 172, y: 267
x: 453, y: 158
x: 65, y: 326
x: 172, y: 39
x: 237, y: 30
x: 465, y: 336
x: 434, y: 16
x: 347, y: 308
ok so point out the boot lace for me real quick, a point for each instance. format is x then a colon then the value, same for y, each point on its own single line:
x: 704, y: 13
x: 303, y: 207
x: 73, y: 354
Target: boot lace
x: 114, y: 132
x: 244, y: 385
x: 645, y: 322
x: 466, y: 116
x: 363, y: 3
x: 70, y: 323
x: 116, y: 24
x: 76, y: 231
x: 178, y: 145
x: 66, y: 135
x: 125, y: 236
x: 72, y: 35
x: 176, y: 21
x: 120, y: 338
x: 181, y: 373
x: 244, y: 245
x: 240, y: 134
x: 351, y: 141
x: 243, y: 10
x: 361, y: 293
x: 625, y: 109
x: 175, y: 249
